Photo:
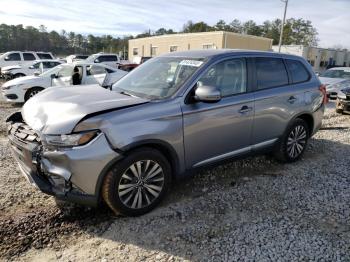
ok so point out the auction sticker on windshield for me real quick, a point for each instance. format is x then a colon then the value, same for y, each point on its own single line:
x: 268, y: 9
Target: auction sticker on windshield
x: 191, y: 63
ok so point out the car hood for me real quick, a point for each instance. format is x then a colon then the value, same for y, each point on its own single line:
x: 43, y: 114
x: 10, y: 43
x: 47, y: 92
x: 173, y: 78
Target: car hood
x: 21, y: 80
x: 57, y: 110
x: 330, y: 81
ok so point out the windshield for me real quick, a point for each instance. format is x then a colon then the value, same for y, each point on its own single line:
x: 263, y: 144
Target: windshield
x: 158, y: 78
x: 56, y: 69
x: 338, y: 73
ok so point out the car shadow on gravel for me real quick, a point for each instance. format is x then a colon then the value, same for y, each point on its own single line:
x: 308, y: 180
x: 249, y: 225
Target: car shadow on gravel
x: 199, y: 212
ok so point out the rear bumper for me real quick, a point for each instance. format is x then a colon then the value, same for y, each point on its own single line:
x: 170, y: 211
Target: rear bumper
x: 69, y: 175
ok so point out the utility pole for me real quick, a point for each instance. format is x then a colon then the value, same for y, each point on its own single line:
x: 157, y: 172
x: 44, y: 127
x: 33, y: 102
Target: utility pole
x: 282, y: 25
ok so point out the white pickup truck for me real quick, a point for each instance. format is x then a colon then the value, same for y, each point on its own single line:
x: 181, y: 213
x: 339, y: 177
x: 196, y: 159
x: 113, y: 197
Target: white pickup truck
x: 19, y: 90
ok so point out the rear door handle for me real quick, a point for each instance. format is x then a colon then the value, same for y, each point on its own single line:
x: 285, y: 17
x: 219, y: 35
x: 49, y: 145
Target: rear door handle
x: 245, y: 109
x: 292, y: 99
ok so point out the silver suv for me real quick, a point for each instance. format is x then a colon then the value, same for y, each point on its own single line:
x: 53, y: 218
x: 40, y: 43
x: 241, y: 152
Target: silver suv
x: 174, y: 113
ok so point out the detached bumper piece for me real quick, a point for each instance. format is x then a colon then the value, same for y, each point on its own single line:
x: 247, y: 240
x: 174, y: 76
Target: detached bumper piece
x: 27, y: 150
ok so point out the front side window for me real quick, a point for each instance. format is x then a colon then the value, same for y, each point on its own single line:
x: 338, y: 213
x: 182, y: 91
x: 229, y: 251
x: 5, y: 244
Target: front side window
x: 28, y: 57
x: 50, y: 64
x: 270, y: 72
x: 95, y: 70
x: 159, y: 78
x: 229, y: 76
x: 65, y: 71
x: 13, y: 57
x: 298, y: 71
x: 36, y: 65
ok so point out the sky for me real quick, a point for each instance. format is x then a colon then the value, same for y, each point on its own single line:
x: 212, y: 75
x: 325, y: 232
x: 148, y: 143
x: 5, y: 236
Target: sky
x: 118, y: 18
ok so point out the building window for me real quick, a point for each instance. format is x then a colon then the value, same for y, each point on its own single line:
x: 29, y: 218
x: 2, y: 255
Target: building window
x: 154, y: 51
x: 173, y: 48
x: 135, y: 51
x: 208, y: 46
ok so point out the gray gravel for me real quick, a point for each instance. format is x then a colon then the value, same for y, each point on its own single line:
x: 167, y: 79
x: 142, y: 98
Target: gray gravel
x: 250, y: 210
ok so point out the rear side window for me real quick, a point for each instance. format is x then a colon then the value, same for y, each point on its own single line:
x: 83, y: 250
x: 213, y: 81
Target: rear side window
x: 270, y: 72
x: 13, y: 57
x: 108, y: 58
x: 50, y: 64
x: 28, y: 57
x: 44, y: 56
x: 298, y: 71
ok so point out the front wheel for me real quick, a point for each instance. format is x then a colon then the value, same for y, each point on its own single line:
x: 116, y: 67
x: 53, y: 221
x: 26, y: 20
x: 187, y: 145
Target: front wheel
x: 137, y: 184
x: 293, y: 142
x: 32, y: 92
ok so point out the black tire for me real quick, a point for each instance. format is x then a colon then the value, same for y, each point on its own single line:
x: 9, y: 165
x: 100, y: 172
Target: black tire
x: 32, y: 92
x: 284, y: 151
x: 122, y: 174
x: 18, y: 75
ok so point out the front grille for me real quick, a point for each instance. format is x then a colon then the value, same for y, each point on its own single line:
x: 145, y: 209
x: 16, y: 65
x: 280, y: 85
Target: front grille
x: 23, y: 132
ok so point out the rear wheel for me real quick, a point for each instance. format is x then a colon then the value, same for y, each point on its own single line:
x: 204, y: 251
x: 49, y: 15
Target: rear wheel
x: 32, y: 92
x: 137, y: 184
x: 294, y: 141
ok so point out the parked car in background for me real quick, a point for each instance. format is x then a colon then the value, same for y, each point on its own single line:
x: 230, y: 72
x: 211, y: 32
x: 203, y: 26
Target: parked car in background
x: 112, y: 60
x: 36, y: 67
x: 332, y: 79
x: 177, y: 112
x: 343, y: 98
x: 19, y: 58
x: 131, y: 66
x: 75, y: 58
x: 19, y: 90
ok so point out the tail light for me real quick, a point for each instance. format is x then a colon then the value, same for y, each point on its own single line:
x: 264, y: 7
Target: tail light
x: 323, y: 90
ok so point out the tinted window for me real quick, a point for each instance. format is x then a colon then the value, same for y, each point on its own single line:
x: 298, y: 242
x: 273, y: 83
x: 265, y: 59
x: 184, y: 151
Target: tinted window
x: 270, y: 72
x: 36, y: 65
x: 298, y: 71
x: 336, y: 73
x: 28, y: 56
x: 44, y: 56
x: 50, y: 64
x: 229, y: 76
x: 13, y: 57
x: 108, y: 58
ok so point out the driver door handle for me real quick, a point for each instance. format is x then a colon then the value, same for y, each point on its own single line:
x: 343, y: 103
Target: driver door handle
x: 245, y: 109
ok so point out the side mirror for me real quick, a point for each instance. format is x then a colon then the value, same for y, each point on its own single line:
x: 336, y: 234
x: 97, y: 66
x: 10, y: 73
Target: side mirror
x: 6, y: 58
x: 317, y: 74
x: 207, y: 94
x: 31, y: 67
x: 36, y: 73
x: 96, y: 60
x: 53, y: 76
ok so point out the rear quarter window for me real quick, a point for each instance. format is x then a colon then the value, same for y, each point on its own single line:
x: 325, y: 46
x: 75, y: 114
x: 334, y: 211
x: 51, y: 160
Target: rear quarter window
x: 270, y: 72
x: 44, y: 56
x: 298, y: 71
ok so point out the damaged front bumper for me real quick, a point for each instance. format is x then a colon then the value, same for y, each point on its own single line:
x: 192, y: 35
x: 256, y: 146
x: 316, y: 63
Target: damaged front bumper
x: 69, y: 174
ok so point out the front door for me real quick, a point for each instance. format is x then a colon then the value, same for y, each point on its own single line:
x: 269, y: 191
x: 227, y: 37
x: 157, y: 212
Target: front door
x: 215, y: 131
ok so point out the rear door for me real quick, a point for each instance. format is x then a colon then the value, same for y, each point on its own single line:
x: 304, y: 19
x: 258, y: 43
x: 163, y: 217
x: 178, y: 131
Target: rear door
x: 277, y: 100
x: 214, y: 131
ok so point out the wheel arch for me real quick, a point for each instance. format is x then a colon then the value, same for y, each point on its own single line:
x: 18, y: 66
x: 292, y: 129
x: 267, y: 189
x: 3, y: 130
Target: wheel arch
x: 29, y: 89
x: 163, y: 147
x: 309, y: 119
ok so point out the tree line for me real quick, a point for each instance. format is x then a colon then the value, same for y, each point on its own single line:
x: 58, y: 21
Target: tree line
x: 18, y: 37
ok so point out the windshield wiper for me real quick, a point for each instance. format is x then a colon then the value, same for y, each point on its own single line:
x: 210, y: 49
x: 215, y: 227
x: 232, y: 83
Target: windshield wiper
x: 127, y: 94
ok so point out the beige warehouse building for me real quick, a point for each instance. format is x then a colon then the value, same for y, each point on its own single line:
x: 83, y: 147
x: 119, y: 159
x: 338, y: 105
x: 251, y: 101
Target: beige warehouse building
x: 157, y: 45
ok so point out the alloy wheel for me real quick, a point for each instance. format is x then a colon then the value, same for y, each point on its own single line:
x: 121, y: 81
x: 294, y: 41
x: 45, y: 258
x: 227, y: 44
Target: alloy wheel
x: 296, y: 141
x: 141, y: 184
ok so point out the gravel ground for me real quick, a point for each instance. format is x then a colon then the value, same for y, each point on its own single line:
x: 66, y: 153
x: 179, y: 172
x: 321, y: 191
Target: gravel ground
x: 250, y: 210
